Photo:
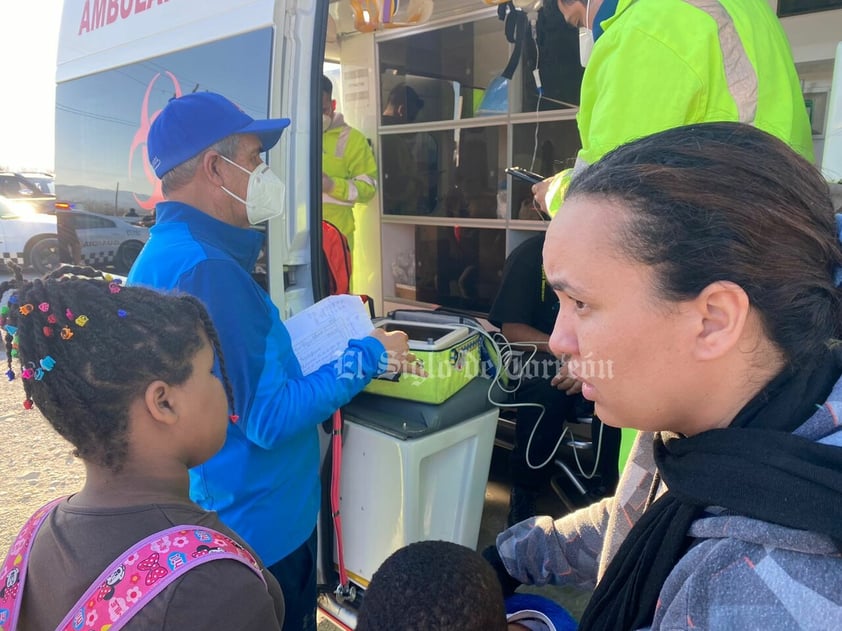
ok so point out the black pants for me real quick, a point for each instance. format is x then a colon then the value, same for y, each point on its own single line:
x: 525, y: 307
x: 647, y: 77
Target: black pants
x: 296, y: 573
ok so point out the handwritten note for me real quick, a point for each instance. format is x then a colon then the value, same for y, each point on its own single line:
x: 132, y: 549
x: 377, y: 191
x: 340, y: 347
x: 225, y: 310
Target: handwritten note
x: 321, y: 332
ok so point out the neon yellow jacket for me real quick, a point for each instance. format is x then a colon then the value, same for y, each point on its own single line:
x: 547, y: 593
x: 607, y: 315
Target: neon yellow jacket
x: 348, y: 160
x: 661, y: 64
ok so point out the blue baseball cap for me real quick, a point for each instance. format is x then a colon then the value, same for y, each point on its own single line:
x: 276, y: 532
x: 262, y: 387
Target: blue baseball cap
x: 191, y: 123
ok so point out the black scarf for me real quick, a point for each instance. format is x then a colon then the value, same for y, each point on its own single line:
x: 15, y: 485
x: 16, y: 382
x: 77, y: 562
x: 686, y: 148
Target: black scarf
x: 756, y: 467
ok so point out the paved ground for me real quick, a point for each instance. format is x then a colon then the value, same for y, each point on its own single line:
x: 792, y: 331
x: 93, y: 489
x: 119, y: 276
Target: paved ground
x: 37, y: 464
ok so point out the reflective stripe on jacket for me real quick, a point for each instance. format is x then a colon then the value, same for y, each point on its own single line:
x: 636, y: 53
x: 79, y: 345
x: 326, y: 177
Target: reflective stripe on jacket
x: 661, y: 64
x: 348, y: 160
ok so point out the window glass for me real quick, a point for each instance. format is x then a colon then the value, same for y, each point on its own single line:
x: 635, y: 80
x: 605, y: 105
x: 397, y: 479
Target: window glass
x: 554, y: 149
x: 459, y: 267
x: 102, y: 119
x: 448, y: 71
x: 452, y: 173
x: 13, y: 186
x: 555, y: 53
x: 86, y: 222
x: 795, y: 7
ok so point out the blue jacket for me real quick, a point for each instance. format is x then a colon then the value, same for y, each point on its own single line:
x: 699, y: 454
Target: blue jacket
x: 264, y: 483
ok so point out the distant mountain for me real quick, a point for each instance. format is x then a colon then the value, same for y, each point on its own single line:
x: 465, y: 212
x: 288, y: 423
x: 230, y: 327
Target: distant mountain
x: 99, y: 200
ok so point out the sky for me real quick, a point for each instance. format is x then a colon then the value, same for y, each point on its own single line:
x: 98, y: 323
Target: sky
x: 28, y: 46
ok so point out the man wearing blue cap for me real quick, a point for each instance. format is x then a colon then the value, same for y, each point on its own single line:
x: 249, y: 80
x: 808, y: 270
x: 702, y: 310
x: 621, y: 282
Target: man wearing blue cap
x: 264, y: 482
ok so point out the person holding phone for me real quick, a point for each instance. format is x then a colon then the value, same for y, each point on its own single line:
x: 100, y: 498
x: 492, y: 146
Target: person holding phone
x: 530, y: 177
x: 528, y: 208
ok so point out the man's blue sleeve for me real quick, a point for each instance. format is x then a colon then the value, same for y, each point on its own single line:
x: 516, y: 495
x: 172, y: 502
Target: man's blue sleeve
x: 271, y: 397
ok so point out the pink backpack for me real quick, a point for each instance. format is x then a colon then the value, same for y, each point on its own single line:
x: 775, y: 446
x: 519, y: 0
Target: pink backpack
x: 132, y: 580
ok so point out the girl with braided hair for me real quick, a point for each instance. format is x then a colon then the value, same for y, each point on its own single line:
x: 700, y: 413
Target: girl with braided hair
x: 127, y: 376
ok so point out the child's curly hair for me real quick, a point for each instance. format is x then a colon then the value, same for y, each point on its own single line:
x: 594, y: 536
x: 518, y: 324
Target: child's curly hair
x: 88, y: 347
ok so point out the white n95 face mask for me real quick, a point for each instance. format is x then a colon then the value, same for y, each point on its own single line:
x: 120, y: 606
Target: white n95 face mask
x: 265, y: 194
x: 585, y: 38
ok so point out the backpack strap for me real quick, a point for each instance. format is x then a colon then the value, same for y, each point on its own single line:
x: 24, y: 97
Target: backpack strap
x: 13, y: 572
x: 146, y: 569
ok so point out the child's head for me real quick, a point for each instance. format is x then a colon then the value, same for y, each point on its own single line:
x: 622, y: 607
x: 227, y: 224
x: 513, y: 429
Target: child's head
x: 433, y: 586
x: 89, y: 348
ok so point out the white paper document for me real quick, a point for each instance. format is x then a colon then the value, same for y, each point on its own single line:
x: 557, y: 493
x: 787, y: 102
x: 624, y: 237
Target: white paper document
x: 321, y: 332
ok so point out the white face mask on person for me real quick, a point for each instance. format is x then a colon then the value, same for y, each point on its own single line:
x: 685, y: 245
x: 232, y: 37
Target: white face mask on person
x: 327, y: 119
x: 585, y: 38
x: 265, y: 194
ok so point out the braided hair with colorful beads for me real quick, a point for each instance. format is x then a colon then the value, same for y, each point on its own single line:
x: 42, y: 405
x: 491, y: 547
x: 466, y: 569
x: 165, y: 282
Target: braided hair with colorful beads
x: 88, y: 347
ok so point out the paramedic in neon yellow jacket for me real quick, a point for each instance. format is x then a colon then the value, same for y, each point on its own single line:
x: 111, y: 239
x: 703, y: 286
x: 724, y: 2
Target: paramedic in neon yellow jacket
x: 349, y: 171
x: 659, y: 64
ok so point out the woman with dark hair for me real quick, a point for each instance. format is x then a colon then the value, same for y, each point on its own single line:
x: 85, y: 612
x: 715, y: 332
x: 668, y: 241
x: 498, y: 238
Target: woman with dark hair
x: 698, y: 272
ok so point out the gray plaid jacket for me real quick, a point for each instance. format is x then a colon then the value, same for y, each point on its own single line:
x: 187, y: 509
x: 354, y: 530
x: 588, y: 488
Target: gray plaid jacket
x: 741, y: 573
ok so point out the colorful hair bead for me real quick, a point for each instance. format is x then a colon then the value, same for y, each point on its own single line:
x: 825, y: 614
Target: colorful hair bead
x: 234, y: 418
x: 48, y: 331
x: 39, y: 374
x: 82, y: 320
x: 11, y: 330
x: 14, y: 352
x: 26, y: 309
x: 114, y: 287
x: 3, y: 320
x: 66, y: 333
x: 27, y: 373
x: 121, y: 313
x: 27, y: 404
x: 13, y: 299
x: 4, y: 310
x: 10, y: 374
x: 47, y: 363
x: 44, y: 307
x: 69, y: 314
x: 52, y: 319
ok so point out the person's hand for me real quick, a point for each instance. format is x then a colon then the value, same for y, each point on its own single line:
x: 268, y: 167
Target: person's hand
x: 539, y: 190
x: 564, y: 381
x: 400, y: 360
x: 327, y: 184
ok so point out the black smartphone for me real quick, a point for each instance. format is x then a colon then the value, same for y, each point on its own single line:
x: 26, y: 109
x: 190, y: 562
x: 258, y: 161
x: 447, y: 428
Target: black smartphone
x: 527, y: 176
